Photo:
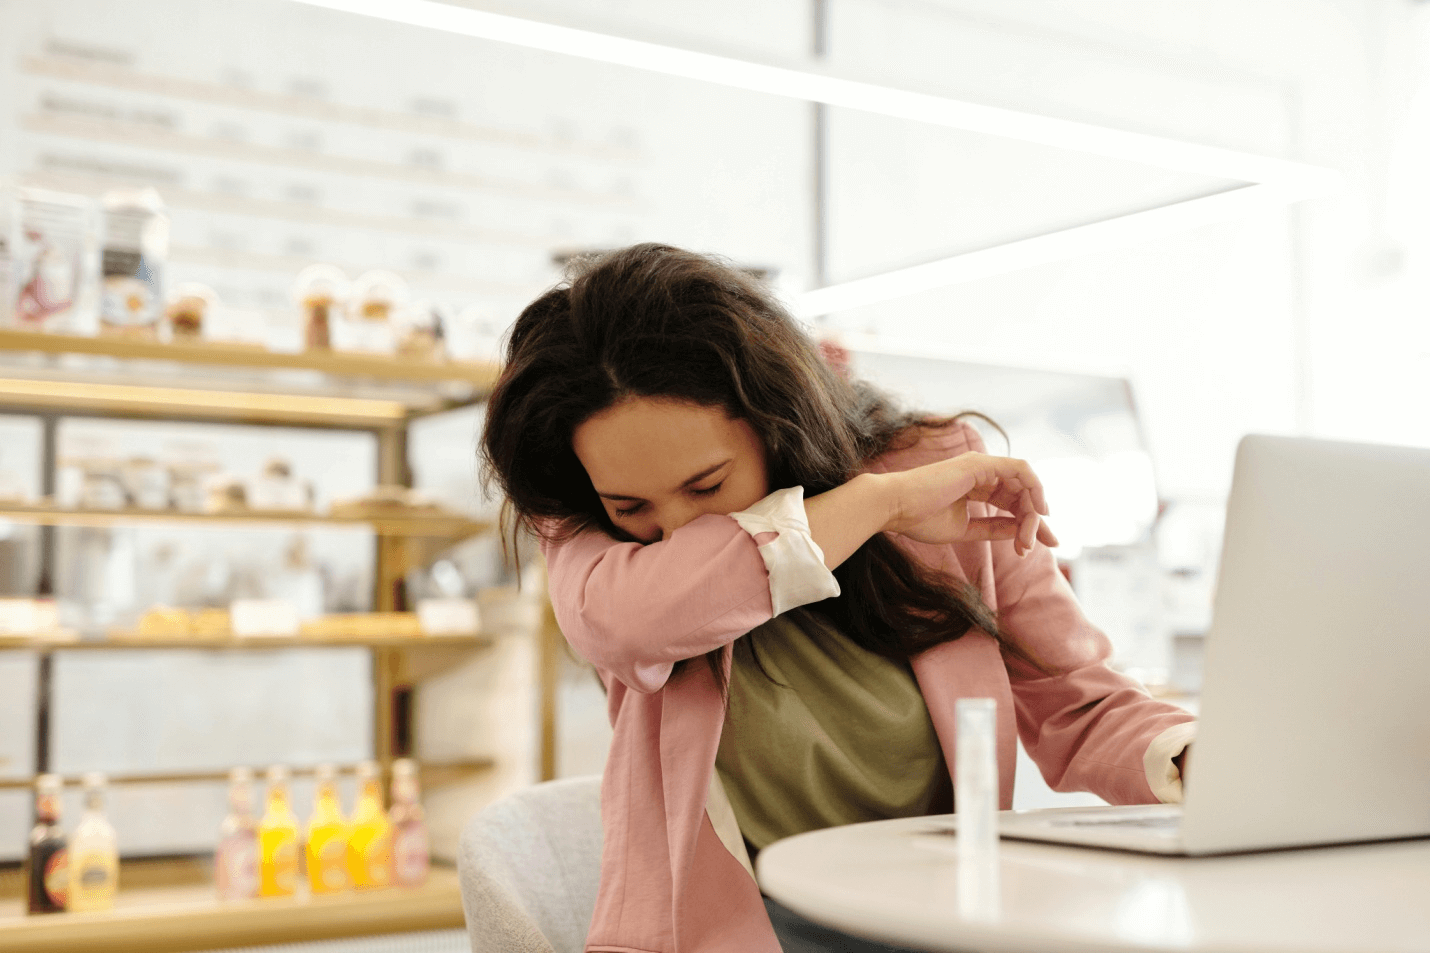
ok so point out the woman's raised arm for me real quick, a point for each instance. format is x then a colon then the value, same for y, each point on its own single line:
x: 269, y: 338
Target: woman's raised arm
x: 636, y: 609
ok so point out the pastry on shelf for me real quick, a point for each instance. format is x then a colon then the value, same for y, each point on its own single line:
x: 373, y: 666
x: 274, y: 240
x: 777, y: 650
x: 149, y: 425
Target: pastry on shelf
x: 168, y: 622
x: 210, y: 623
x: 362, y: 625
x: 368, y: 324
x: 388, y: 500
x: 189, y: 306
x: 278, y: 490
x: 226, y: 496
x: 162, y: 622
x: 187, y: 493
x: 321, y: 292
x: 145, y: 483
x: 420, y: 328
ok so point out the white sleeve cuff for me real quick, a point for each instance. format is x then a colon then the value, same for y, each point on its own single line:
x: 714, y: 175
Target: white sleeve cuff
x: 1162, y: 775
x: 794, y: 560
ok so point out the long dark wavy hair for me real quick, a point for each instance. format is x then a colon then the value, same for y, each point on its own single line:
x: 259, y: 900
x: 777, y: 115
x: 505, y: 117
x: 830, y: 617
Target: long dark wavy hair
x: 656, y: 321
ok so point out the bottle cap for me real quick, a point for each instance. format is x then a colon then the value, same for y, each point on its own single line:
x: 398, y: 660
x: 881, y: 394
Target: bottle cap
x: 49, y: 784
x: 278, y: 774
x: 366, y: 770
x: 240, y: 776
x: 403, y: 768
x: 325, y: 773
x: 95, y: 780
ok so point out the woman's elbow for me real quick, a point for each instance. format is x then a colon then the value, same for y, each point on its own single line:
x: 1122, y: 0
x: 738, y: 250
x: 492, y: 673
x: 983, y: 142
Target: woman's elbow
x: 625, y: 654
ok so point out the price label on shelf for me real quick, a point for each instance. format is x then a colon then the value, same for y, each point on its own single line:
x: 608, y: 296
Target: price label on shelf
x: 261, y: 618
x: 447, y: 616
x: 28, y: 616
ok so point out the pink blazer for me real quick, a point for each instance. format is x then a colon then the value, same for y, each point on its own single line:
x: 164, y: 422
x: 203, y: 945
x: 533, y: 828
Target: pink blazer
x: 668, y: 884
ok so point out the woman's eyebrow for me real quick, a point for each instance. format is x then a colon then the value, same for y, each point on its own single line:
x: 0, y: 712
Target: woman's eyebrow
x: 695, y: 479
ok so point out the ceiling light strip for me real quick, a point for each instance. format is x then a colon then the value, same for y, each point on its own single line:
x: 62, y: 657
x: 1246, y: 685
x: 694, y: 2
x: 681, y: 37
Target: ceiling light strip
x: 1301, y: 180
x: 1121, y: 231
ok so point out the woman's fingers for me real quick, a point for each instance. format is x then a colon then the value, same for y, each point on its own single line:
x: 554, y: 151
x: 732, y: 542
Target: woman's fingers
x: 1023, y: 531
x: 991, y: 527
x: 1046, y: 536
x: 1005, y: 484
x: 999, y: 480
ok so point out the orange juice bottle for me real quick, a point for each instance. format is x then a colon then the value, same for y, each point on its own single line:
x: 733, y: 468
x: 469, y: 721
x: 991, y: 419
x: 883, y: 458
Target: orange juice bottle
x: 369, y: 833
x: 327, y: 836
x: 277, y: 840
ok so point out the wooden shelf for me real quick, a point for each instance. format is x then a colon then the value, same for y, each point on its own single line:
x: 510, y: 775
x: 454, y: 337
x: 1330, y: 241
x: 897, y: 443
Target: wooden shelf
x: 136, y: 641
x: 431, y: 774
x: 443, y: 526
x: 337, y: 363
x: 86, y: 397
x: 181, y: 918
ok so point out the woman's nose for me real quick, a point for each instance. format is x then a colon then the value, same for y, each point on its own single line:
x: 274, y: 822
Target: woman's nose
x: 676, y: 516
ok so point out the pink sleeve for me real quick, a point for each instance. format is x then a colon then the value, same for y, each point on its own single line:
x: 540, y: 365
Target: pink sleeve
x: 1087, y: 727
x: 635, y: 610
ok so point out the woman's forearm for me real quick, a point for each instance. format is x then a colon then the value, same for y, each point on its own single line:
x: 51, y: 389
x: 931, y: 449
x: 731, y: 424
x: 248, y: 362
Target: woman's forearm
x: 844, y: 518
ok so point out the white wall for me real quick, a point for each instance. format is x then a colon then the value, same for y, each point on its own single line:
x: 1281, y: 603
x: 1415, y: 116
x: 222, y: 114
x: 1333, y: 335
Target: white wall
x: 1271, y: 323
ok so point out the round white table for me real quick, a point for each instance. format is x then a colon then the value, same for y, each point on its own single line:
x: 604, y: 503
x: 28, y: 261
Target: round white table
x: 895, y: 882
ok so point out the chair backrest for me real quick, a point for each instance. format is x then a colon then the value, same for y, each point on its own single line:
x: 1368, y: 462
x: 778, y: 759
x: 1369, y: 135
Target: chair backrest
x: 530, y: 865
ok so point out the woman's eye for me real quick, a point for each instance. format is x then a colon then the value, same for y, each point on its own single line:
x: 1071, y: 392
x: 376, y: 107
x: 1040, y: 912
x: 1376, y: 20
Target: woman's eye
x: 629, y: 510
x: 709, y: 489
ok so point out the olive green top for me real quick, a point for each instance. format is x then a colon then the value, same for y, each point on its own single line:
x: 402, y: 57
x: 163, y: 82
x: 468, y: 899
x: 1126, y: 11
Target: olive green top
x: 846, y: 737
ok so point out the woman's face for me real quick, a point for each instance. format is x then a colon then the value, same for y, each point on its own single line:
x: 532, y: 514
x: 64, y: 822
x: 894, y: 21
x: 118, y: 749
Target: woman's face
x: 659, y: 463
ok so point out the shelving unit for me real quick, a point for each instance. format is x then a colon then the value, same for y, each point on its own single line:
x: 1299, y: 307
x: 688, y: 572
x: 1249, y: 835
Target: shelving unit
x: 137, y: 641
x: 350, y: 364
x: 443, y: 526
x: 431, y: 774
x: 168, y: 917
x: 35, y: 379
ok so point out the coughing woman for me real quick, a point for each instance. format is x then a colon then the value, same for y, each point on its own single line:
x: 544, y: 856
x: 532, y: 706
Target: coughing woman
x: 785, y: 584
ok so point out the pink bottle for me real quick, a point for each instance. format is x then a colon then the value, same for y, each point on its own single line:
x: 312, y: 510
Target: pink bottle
x: 236, y: 860
x: 411, y: 853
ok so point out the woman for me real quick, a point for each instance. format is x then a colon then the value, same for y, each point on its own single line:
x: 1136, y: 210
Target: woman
x: 785, y: 585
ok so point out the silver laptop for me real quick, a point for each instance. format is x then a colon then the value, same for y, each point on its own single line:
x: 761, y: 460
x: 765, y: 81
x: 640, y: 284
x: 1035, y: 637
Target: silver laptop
x: 1315, y: 707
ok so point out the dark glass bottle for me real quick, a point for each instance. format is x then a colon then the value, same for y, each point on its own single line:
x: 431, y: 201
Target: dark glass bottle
x: 47, y: 863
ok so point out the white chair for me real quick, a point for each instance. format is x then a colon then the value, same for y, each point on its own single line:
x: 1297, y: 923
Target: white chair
x: 529, y: 866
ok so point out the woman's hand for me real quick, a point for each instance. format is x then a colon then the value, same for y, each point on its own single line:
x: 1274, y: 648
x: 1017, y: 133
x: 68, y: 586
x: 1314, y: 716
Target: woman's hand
x: 930, y: 503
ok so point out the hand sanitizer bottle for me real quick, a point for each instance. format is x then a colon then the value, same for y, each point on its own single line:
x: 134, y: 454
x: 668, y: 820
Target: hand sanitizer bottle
x: 94, y: 853
x: 236, y: 860
x: 411, y: 855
